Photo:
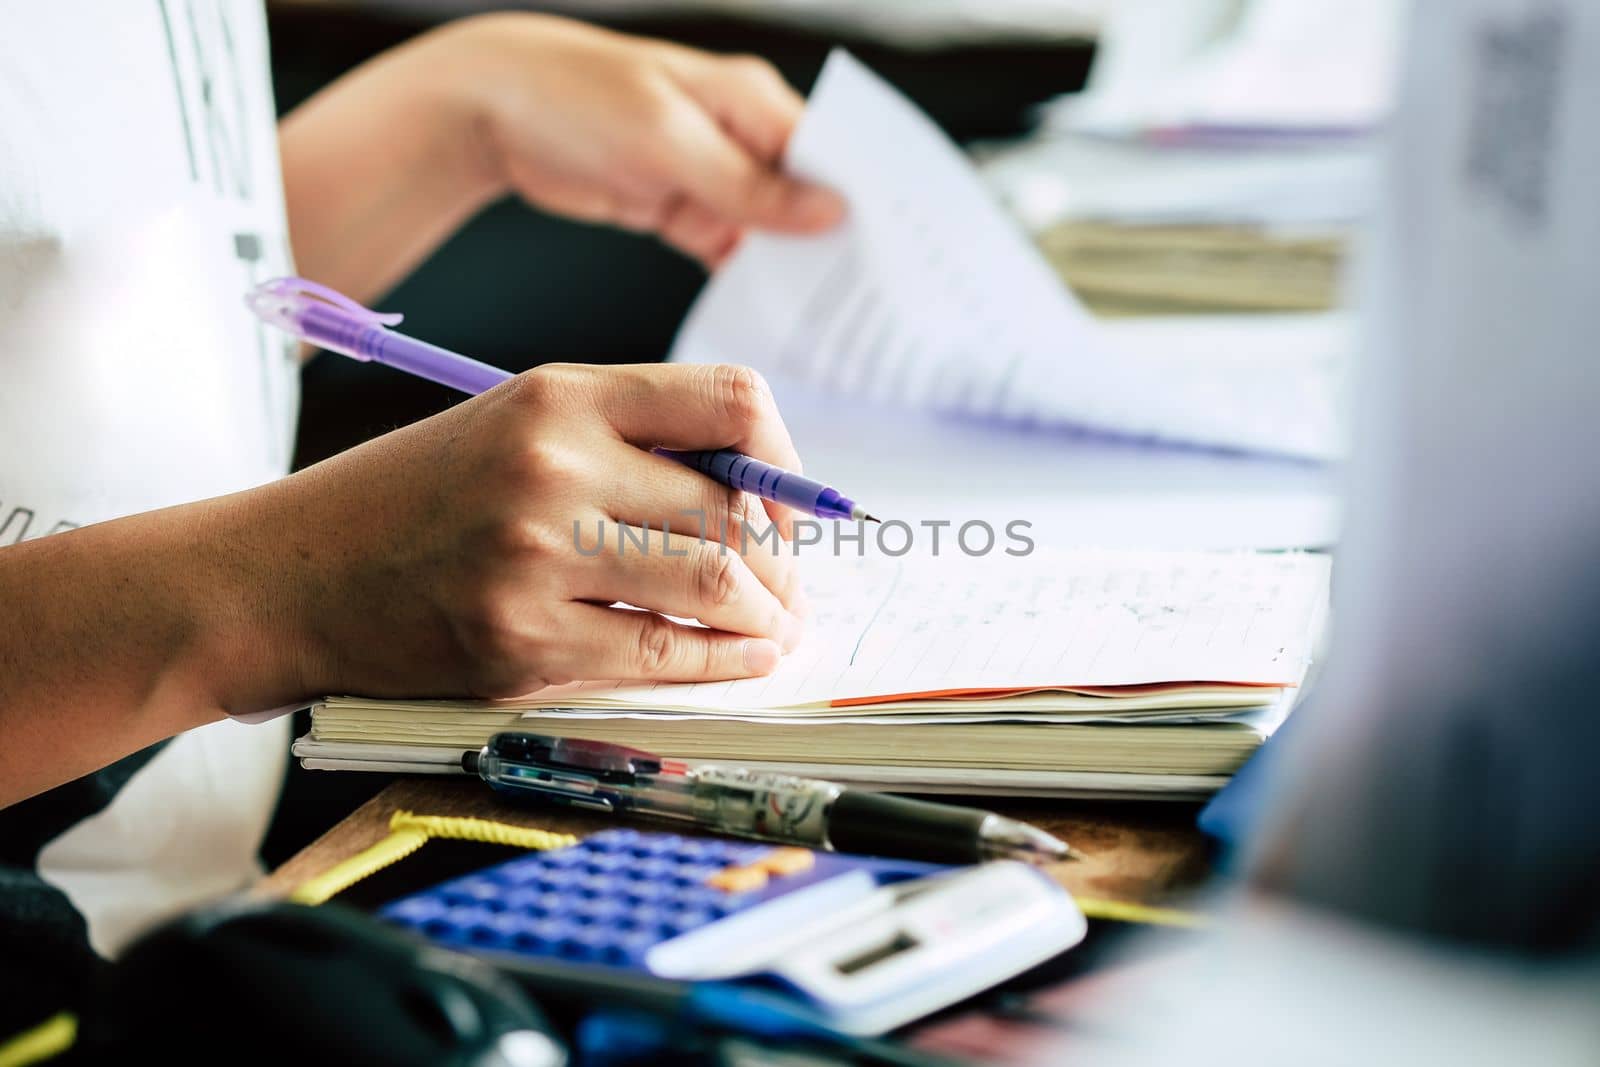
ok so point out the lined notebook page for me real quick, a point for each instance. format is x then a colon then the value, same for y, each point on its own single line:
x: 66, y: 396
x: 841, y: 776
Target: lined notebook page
x: 883, y: 628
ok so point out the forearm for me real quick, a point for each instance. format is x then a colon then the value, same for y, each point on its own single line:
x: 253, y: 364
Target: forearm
x: 126, y: 632
x: 384, y: 164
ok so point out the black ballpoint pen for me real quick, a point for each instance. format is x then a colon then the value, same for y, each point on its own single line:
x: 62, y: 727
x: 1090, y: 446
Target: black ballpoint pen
x: 756, y: 804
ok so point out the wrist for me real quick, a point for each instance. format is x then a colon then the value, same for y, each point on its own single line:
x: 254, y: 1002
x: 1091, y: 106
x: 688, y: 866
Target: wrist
x: 467, y: 78
x: 257, y: 633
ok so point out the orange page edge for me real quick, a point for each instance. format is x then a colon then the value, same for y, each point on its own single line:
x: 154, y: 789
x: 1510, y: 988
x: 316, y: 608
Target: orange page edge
x: 1095, y: 690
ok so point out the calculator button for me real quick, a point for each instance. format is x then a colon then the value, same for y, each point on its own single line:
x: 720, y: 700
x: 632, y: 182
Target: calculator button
x: 506, y: 926
x: 566, y: 857
x: 695, y: 851
x: 537, y: 903
x: 609, y: 863
x: 520, y: 873
x: 695, y: 875
x: 656, y: 870
x: 785, y: 861
x: 692, y: 918
x: 560, y: 880
x: 605, y: 911
x: 584, y: 944
x: 747, y: 855
x: 644, y: 891
x: 637, y: 942
x: 738, y: 879
x: 595, y: 885
x: 475, y: 924
x: 700, y: 896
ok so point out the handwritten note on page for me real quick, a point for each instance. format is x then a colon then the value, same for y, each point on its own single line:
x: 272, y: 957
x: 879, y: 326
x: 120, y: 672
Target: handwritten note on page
x: 884, y: 628
x: 930, y: 297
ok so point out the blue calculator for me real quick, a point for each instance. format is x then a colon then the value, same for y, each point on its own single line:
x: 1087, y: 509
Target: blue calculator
x: 869, y: 944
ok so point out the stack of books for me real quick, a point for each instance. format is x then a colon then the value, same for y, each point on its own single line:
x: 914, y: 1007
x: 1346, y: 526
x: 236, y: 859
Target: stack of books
x: 1081, y: 673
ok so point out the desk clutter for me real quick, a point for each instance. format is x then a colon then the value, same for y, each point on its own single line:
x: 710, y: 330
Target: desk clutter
x: 612, y: 949
x: 862, y: 944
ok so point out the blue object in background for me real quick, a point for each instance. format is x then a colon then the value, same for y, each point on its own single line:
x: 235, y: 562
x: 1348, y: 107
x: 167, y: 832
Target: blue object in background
x: 1234, y: 815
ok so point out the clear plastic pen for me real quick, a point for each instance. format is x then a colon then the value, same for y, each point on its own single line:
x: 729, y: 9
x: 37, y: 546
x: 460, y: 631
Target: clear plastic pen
x: 744, y: 803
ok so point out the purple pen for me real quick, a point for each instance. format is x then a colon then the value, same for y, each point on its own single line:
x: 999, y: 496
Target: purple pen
x: 331, y: 320
x: 771, y: 483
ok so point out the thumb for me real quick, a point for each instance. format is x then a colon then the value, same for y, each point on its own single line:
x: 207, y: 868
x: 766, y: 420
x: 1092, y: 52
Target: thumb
x: 730, y: 180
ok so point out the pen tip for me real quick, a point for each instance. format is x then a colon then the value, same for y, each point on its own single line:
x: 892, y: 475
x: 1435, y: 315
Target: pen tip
x: 859, y: 514
x: 1008, y: 839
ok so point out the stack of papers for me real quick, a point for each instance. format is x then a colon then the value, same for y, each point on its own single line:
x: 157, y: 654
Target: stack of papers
x: 1089, y: 672
x: 1165, y: 270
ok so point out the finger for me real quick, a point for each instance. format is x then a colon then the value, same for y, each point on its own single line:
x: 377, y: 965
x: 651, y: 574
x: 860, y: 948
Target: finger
x: 749, y: 97
x: 727, y: 252
x: 647, y: 215
x: 764, y: 548
x: 698, y: 232
x: 583, y: 202
x: 641, y: 645
x: 685, y: 577
x: 727, y: 178
x: 701, y: 406
x: 664, y: 494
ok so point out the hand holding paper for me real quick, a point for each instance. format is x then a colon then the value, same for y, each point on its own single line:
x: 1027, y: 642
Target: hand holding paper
x: 929, y: 297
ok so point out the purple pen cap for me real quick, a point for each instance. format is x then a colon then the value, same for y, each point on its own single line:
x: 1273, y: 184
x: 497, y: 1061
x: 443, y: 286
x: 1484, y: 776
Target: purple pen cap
x: 284, y: 302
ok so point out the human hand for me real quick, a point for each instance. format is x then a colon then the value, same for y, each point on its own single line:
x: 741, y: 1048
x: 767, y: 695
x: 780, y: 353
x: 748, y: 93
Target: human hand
x: 443, y: 558
x: 632, y: 132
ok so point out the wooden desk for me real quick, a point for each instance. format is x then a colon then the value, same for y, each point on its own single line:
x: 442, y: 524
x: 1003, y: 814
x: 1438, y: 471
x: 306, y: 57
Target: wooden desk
x: 1141, y: 853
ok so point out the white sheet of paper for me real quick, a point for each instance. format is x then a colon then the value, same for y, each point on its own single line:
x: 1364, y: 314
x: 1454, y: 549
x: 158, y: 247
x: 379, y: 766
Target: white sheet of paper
x: 930, y: 297
x: 884, y: 627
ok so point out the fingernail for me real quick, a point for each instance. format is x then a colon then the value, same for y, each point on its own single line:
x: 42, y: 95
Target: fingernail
x: 801, y: 609
x: 761, y: 656
x: 817, y: 206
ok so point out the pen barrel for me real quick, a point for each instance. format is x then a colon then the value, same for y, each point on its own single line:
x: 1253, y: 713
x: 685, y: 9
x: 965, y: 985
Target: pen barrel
x: 337, y: 331
x: 431, y: 361
x: 876, y: 824
x: 772, y: 807
x: 739, y: 471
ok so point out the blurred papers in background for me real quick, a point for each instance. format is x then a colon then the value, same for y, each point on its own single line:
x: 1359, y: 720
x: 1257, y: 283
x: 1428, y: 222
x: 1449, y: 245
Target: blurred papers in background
x: 910, y: 23
x: 1257, y: 71
x: 1219, y: 159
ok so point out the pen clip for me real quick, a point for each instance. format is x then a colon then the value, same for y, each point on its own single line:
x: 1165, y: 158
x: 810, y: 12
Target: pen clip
x: 280, y: 300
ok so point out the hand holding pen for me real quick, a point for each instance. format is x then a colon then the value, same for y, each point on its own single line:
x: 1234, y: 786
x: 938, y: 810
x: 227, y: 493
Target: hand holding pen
x: 451, y: 547
x: 441, y: 559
